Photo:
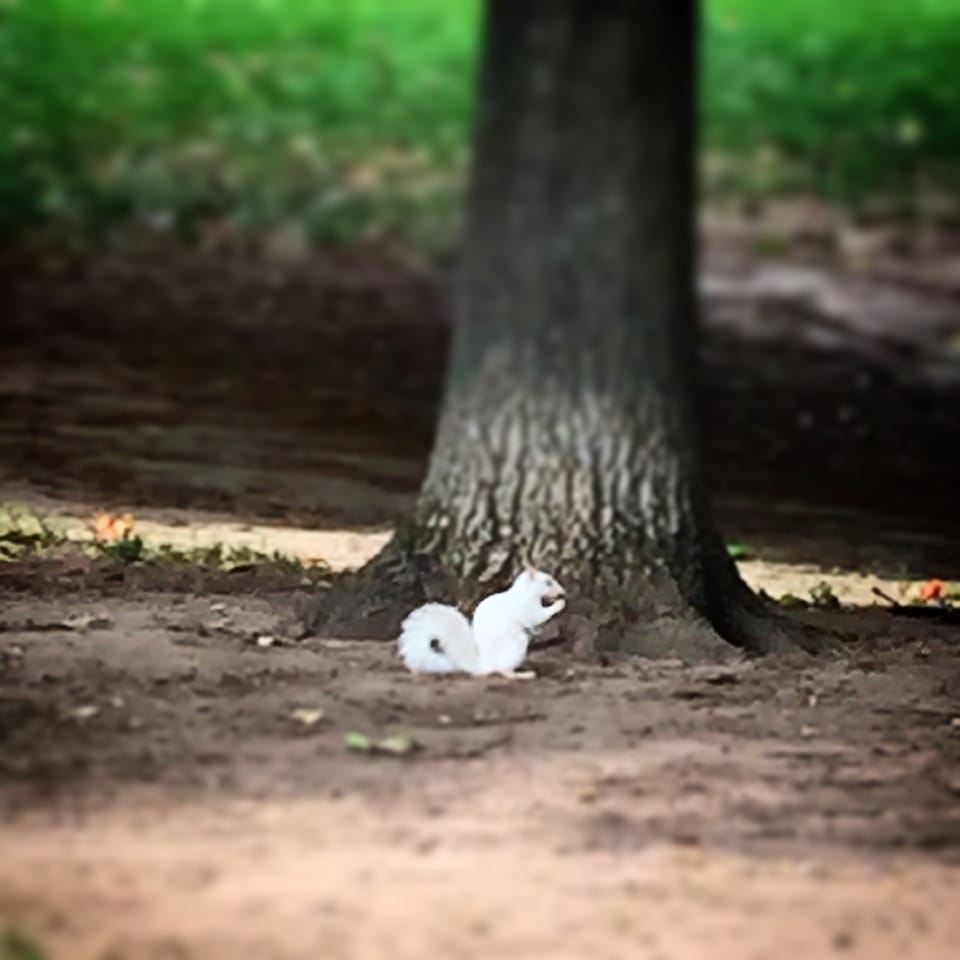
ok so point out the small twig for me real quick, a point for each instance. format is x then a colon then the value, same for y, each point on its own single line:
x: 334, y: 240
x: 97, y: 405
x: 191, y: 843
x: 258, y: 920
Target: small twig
x: 886, y: 596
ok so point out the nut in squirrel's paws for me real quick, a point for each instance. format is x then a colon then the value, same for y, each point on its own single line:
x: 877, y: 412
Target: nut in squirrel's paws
x: 549, y: 599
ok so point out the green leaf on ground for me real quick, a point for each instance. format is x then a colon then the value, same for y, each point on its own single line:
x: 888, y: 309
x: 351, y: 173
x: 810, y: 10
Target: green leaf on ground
x: 358, y: 742
x: 398, y: 745
x: 15, y: 945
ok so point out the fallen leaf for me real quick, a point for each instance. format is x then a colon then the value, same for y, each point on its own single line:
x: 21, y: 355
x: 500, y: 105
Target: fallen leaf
x: 84, y: 712
x: 109, y: 526
x: 86, y: 621
x: 398, y: 745
x: 307, y: 716
x: 932, y: 590
x: 358, y: 742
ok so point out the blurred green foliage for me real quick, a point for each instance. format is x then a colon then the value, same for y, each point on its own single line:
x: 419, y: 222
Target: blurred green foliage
x: 338, y: 114
x: 351, y: 117
x: 844, y: 97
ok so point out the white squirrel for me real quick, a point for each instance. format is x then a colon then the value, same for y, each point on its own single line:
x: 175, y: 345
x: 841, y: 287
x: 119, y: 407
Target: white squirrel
x: 438, y: 638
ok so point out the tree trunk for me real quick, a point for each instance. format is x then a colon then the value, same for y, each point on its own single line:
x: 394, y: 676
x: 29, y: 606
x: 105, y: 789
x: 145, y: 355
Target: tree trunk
x: 567, y: 427
x: 568, y: 432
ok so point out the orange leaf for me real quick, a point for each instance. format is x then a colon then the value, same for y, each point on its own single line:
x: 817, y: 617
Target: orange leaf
x: 109, y: 526
x: 932, y: 590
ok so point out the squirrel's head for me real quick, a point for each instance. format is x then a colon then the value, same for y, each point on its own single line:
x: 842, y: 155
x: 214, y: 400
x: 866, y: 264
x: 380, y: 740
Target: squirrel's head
x: 539, y: 585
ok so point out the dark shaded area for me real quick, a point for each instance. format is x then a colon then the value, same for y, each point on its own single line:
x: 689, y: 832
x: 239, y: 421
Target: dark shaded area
x: 306, y: 391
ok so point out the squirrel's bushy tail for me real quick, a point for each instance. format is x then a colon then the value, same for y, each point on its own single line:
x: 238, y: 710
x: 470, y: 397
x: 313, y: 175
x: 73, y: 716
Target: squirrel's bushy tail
x: 437, y: 638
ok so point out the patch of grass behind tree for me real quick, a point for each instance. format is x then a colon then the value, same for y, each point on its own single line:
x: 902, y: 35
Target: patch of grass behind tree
x: 350, y: 118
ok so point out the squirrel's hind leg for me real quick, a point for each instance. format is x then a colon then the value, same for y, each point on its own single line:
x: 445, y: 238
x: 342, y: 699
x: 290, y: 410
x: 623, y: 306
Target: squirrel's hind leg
x: 518, y: 674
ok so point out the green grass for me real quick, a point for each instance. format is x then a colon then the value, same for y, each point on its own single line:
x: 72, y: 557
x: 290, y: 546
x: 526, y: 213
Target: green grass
x: 351, y: 117
x: 25, y: 534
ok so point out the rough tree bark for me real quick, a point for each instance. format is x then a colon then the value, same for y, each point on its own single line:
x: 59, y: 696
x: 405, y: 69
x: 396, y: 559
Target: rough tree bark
x: 568, y: 431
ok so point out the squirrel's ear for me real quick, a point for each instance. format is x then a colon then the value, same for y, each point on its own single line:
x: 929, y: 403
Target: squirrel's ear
x: 527, y: 565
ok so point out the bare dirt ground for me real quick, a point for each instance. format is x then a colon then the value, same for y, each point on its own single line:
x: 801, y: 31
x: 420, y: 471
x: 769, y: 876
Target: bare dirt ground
x: 163, y: 797
x: 171, y: 787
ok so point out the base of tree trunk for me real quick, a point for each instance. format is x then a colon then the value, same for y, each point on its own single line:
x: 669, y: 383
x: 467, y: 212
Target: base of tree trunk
x: 568, y: 427
x: 644, y: 616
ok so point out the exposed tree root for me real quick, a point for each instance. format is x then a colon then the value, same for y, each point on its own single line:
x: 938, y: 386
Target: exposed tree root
x: 368, y: 604
x: 748, y: 621
x: 371, y: 603
x: 648, y: 616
